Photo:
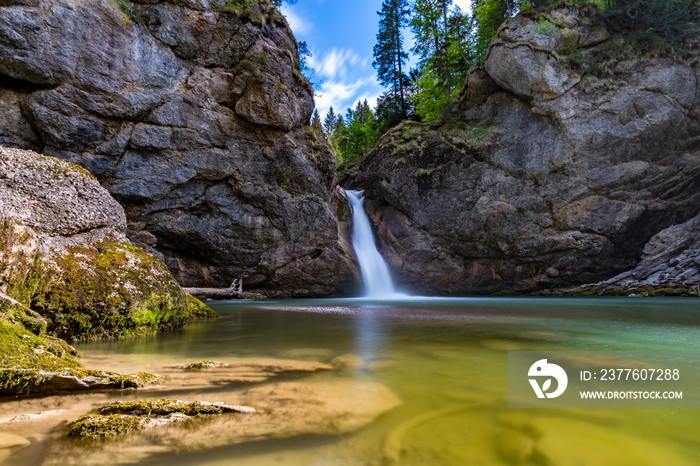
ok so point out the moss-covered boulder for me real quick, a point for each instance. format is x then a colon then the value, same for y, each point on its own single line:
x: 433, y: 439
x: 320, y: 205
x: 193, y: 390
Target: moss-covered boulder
x: 64, y: 255
x: 32, y: 364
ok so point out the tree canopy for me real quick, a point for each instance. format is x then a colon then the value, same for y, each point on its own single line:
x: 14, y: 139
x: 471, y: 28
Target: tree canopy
x: 447, y: 42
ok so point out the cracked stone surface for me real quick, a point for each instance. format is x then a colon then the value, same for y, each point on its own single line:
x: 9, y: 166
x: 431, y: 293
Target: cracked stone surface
x: 193, y: 116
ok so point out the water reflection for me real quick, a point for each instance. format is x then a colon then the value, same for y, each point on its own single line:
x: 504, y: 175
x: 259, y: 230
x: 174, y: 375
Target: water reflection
x: 445, y: 359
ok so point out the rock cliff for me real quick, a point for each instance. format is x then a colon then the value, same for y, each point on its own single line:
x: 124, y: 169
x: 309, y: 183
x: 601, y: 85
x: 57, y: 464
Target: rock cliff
x: 566, y: 153
x: 192, y: 114
x: 66, y: 266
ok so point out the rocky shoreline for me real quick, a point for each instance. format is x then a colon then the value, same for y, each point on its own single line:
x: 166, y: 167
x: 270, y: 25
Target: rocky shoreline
x: 67, y: 271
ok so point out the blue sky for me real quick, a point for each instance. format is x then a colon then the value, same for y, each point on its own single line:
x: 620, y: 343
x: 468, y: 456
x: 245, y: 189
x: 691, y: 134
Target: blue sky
x: 341, y: 35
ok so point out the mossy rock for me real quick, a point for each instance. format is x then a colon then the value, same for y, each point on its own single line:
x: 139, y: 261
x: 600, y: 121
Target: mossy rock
x: 205, y: 364
x: 43, y: 365
x: 121, y: 418
x: 91, y: 286
x: 99, y: 427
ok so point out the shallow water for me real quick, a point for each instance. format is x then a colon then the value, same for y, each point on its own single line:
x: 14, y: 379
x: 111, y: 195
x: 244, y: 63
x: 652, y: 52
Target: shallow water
x: 445, y: 359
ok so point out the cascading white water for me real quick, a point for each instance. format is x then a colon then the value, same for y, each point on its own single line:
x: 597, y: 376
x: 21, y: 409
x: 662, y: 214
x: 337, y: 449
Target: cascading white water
x: 375, y: 273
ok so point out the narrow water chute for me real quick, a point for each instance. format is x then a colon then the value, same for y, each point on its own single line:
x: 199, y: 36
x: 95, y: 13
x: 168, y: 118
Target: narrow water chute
x: 375, y: 272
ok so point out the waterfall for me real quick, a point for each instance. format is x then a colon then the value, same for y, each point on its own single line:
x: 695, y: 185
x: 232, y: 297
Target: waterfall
x: 375, y: 272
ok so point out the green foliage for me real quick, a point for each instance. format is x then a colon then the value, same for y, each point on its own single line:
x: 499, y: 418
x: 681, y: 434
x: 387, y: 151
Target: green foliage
x: 329, y: 124
x: 431, y: 96
x: 389, y: 54
x: 129, y: 11
x: 282, y: 172
x: 489, y: 15
x: 545, y: 27
x: 673, y: 20
x: 443, y: 43
x: 316, y: 123
x: 359, y: 134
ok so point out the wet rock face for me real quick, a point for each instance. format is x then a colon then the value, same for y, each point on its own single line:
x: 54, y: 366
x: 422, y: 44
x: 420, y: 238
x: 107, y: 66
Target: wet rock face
x: 545, y: 176
x: 192, y: 115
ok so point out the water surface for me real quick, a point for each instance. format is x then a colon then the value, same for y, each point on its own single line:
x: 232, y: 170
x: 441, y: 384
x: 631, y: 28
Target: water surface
x: 445, y: 359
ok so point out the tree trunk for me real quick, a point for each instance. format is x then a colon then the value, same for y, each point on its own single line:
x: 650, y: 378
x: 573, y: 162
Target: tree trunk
x: 234, y: 290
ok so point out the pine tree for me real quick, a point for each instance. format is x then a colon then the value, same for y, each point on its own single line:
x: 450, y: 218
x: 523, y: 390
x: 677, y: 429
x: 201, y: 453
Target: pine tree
x: 489, y: 15
x: 444, y: 46
x: 389, y: 56
x: 431, y: 29
x: 359, y: 133
x: 336, y: 134
x: 316, y: 123
x: 329, y: 123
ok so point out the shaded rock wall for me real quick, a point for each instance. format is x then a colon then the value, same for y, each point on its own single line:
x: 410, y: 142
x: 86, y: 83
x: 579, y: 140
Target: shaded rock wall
x: 192, y: 114
x: 67, y: 263
x: 547, y: 174
x: 670, y: 265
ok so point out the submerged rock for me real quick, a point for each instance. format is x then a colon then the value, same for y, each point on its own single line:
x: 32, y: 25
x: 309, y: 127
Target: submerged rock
x: 11, y: 441
x: 120, y: 418
x: 565, y: 154
x: 193, y: 115
x: 205, y: 364
x: 282, y: 410
x: 65, y: 257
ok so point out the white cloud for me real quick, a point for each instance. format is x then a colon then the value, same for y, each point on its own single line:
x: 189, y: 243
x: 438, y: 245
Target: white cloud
x: 297, y: 23
x: 342, y: 95
x: 465, y: 5
x: 335, y: 63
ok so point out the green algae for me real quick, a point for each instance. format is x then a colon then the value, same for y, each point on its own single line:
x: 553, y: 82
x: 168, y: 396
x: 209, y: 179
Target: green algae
x: 159, y: 407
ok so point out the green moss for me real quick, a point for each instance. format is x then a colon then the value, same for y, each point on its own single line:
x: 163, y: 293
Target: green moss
x: 129, y: 11
x: 121, y: 418
x: 30, y: 363
x: 21, y: 349
x: 644, y: 290
x: 111, y: 289
x: 159, y: 407
x: 249, y: 10
x: 252, y: 69
x: 98, y: 427
x: 205, y: 364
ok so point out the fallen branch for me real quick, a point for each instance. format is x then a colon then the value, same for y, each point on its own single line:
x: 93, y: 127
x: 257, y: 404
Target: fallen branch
x: 234, y: 290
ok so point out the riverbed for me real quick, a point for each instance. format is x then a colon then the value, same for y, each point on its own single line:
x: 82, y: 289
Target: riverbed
x: 434, y: 369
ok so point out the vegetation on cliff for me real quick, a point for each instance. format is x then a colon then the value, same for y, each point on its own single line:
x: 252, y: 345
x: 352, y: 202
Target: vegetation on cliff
x: 448, y: 42
x: 547, y: 171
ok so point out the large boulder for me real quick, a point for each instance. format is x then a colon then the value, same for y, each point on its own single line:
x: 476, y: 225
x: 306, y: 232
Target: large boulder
x: 192, y: 114
x: 65, y: 259
x: 566, y: 153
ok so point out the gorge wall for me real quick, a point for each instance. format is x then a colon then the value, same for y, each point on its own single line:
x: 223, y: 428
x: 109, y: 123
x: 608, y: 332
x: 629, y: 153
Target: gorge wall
x: 566, y: 153
x: 192, y: 114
